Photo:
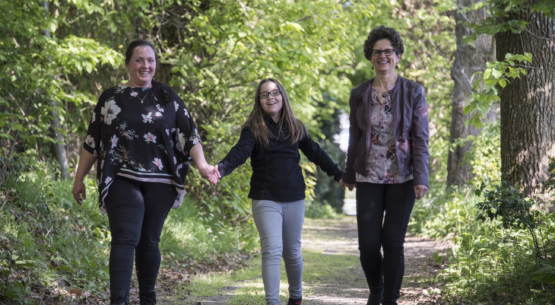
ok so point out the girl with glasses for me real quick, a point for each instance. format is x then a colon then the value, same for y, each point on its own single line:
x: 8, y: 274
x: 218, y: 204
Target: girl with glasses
x: 272, y: 137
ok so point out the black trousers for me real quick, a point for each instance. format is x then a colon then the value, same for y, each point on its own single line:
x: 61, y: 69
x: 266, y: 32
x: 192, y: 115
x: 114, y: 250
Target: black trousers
x: 136, y: 212
x: 376, y: 231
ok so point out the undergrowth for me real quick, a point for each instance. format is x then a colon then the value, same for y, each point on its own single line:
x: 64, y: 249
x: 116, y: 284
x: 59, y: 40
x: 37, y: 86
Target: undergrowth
x: 503, y: 250
x: 49, y: 244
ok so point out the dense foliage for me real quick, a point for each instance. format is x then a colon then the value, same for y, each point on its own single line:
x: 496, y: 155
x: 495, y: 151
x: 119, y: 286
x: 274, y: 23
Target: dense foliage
x: 56, y: 57
x: 502, y: 252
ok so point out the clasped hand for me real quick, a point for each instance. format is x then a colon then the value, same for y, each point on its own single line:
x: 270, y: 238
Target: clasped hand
x: 210, y: 173
x: 348, y: 185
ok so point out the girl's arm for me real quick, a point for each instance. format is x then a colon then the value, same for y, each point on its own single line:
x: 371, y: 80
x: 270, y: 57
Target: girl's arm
x: 317, y: 155
x: 238, y: 154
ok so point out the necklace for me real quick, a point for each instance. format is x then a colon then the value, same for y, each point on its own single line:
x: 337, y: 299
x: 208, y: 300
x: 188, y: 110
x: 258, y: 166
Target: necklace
x: 136, y: 94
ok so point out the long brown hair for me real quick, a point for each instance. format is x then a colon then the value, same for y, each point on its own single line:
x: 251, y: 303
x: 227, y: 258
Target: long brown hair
x: 287, y: 120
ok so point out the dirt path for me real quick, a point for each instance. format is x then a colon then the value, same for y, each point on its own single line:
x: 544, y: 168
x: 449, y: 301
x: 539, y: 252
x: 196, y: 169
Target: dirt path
x: 332, y: 273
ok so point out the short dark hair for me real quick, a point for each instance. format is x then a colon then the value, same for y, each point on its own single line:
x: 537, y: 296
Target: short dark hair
x: 138, y: 43
x: 379, y: 33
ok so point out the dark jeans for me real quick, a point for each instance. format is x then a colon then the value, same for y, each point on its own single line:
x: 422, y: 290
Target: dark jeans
x: 374, y: 231
x: 136, y: 212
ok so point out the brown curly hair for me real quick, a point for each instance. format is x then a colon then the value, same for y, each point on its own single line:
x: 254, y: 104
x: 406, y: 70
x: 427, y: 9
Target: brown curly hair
x: 381, y: 32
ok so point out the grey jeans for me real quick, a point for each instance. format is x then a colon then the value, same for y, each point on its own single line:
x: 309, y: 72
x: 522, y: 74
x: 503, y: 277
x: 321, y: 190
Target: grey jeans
x: 280, y: 225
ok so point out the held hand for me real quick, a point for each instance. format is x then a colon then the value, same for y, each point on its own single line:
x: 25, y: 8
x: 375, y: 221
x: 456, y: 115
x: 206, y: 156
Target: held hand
x: 209, y: 173
x: 348, y: 185
x: 79, y: 191
x: 420, y: 191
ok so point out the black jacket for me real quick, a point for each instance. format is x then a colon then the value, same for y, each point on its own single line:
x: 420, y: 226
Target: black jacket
x: 277, y: 175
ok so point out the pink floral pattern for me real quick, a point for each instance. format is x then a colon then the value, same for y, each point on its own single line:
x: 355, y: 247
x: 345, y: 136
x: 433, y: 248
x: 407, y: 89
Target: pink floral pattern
x: 110, y: 111
x: 114, y: 141
x: 158, y: 163
x: 382, y: 163
x: 147, y: 118
x: 150, y: 138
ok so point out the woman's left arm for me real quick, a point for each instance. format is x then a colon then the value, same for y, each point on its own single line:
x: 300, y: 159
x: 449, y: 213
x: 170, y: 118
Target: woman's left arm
x: 206, y: 170
x: 420, y: 135
x: 316, y: 154
x: 190, y: 141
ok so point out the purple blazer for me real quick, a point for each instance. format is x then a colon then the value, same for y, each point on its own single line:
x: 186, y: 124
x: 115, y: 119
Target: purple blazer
x: 410, y: 113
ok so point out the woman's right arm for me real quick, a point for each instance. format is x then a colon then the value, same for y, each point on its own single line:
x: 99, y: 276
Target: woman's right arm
x: 238, y: 154
x: 86, y: 161
x: 89, y: 153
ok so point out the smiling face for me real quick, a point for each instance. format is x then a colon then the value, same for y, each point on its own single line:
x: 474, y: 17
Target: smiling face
x: 273, y: 104
x: 141, y: 66
x: 384, y: 63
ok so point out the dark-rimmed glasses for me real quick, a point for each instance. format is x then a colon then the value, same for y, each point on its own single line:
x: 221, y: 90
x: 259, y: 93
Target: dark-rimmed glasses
x: 387, y: 52
x: 265, y: 95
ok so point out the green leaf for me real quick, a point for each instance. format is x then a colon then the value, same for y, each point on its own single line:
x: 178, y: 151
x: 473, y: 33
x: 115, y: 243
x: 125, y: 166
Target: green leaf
x: 476, y: 121
x: 496, y: 73
x: 437, y: 258
x: 502, y: 83
x: 528, y: 56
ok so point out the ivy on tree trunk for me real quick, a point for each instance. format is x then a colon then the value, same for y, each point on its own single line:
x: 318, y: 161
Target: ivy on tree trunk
x: 469, y: 59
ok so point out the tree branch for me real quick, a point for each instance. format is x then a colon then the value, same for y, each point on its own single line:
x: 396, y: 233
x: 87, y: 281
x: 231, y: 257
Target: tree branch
x: 529, y: 32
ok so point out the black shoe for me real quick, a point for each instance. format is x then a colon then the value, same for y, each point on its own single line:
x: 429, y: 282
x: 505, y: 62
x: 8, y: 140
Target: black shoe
x: 148, y: 298
x: 119, y: 297
x: 375, y: 299
x: 298, y: 301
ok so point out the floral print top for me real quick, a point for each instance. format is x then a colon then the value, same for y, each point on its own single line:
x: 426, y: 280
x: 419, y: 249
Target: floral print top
x: 382, y: 166
x: 134, y: 135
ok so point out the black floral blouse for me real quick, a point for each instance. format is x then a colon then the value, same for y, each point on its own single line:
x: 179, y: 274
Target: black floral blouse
x: 134, y: 135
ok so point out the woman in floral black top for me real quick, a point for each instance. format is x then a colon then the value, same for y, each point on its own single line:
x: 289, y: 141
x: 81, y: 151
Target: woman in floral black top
x: 144, y: 139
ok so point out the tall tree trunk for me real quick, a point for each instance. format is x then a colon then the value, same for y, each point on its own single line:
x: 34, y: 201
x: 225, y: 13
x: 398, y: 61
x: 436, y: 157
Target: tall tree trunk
x: 527, y: 104
x: 59, y: 148
x: 469, y: 58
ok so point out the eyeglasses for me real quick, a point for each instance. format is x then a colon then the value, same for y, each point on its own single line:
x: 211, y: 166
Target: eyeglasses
x: 265, y: 95
x: 387, y: 52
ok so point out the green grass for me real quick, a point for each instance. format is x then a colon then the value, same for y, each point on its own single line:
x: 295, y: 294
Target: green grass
x: 320, y: 270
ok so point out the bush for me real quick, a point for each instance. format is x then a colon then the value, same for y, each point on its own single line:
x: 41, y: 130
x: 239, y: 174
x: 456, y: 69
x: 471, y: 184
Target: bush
x: 494, y: 261
x: 49, y: 244
x: 323, y: 210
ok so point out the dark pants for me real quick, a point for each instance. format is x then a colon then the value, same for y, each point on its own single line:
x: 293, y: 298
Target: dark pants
x: 136, y: 212
x: 374, y: 231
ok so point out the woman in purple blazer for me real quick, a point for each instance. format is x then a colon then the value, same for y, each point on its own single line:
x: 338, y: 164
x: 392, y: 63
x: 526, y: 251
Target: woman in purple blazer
x: 387, y: 161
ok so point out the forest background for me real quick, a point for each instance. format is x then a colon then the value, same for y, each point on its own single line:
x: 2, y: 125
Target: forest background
x: 58, y: 56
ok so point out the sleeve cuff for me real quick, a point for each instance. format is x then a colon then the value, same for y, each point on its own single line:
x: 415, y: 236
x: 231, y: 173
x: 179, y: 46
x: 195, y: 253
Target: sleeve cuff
x: 91, y: 150
x: 338, y: 176
x: 350, y: 179
x: 421, y: 182
x: 221, y: 169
